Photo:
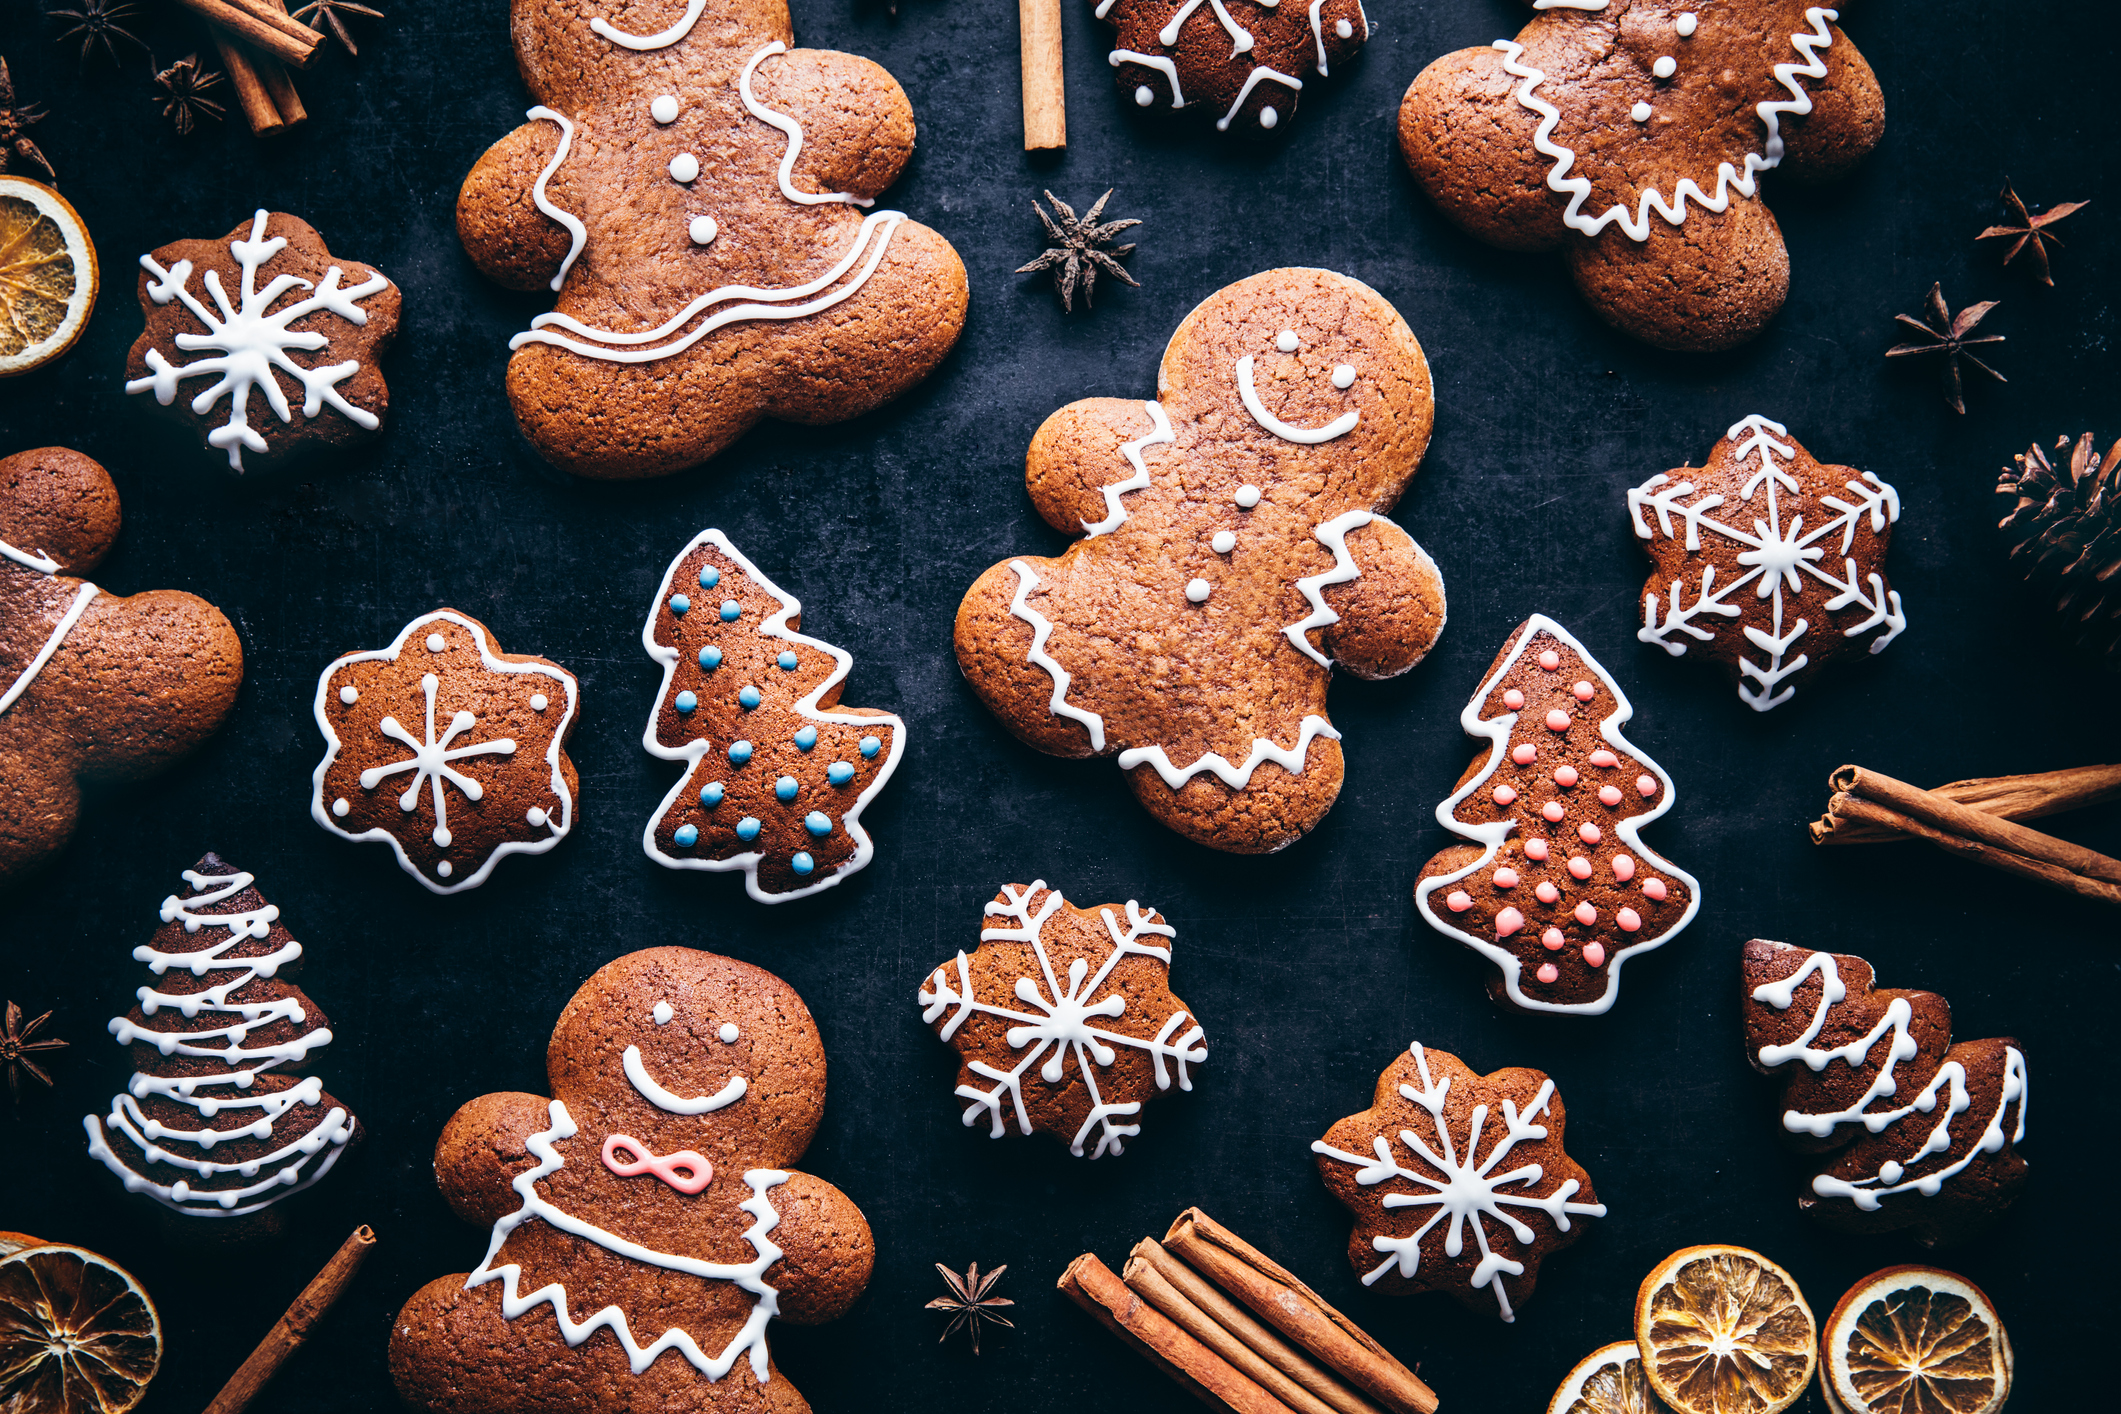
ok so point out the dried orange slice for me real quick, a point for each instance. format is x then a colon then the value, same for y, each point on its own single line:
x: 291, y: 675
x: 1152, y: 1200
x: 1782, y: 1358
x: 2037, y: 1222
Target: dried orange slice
x: 47, y: 275
x: 1609, y: 1380
x: 1725, y: 1331
x: 77, y: 1334
x: 1916, y: 1340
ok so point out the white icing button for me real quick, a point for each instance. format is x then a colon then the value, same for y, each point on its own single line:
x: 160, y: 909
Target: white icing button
x: 662, y: 1013
x: 684, y: 167
x: 1344, y: 376
x: 1224, y: 542
x: 1343, y: 29
x: 703, y: 230
x: 349, y: 695
x: 1144, y: 95
x: 728, y: 1033
x: 1247, y: 497
x: 1268, y: 117
x: 442, y: 837
x: 1286, y: 341
x: 1665, y: 67
x: 538, y: 702
x: 445, y: 869
x: 339, y: 806
x: 434, y: 643
x: 1198, y: 591
x: 536, y: 816
x: 1685, y: 25
x: 1640, y: 112
x: 664, y: 109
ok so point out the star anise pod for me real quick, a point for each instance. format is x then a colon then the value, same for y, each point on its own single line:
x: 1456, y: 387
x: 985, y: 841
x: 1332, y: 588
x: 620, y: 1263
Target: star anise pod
x: 1950, y: 339
x: 16, y: 1047
x: 184, y: 99
x: 1078, y: 253
x: 968, y: 1300
x: 2031, y: 231
x: 97, y: 22
x: 15, y: 122
x: 321, y: 14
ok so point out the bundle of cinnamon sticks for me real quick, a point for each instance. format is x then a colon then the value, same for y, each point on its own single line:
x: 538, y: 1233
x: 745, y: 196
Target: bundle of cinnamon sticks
x: 1977, y: 820
x: 259, y: 42
x: 1233, y: 1326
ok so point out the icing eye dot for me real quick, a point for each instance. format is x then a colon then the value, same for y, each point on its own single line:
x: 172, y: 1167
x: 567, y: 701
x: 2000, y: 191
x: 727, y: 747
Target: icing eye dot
x: 1603, y: 757
x: 1224, y: 542
x: 1594, y: 954
x: 839, y: 773
x: 445, y: 869
x: 1628, y: 919
x: 1654, y: 889
x: 1549, y: 973
x: 1507, y: 922
x: 749, y: 698
x: 1535, y: 849
x: 785, y: 788
x: 711, y: 794
x: 1247, y: 496
x: 870, y: 746
x: 1686, y: 25
x: 710, y: 577
x: 664, y: 109
x: 806, y: 738
x: 728, y: 1033
x: 349, y: 695
x: 1458, y: 901
x: 679, y: 604
x: 1557, y: 720
x: 1506, y: 878
x: 1565, y: 776
x: 1552, y: 940
x: 1609, y: 796
x: 685, y: 703
x: 747, y: 828
x: 786, y: 662
x: 703, y: 230
x: 1589, y: 833
x: 662, y: 1013
x: 1344, y: 376
x: 1585, y: 914
x: 340, y: 807
x: 818, y: 823
x: 685, y: 837
x: 684, y: 168
x: 1550, y: 660
x: 1286, y: 341
x: 1665, y: 67
x: 1513, y: 699
x: 538, y: 702
x: 1198, y: 591
x: 1144, y: 95
x: 1268, y: 117
x: 1623, y: 868
x: 1504, y: 795
x: 801, y: 862
x: 1640, y: 112
x: 537, y: 817
x: 1524, y: 754
x: 739, y: 752
x: 1553, y: 811
x: 1546, y: 892
x: 1344, y: 29
x: 710, y: 657
x: 1647, y: 785
x: 1579, y: 867
x: 435, y: 643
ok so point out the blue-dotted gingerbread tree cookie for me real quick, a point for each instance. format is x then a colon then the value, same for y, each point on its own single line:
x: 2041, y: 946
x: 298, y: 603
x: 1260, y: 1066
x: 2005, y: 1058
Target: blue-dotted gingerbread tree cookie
x: 777, y: 774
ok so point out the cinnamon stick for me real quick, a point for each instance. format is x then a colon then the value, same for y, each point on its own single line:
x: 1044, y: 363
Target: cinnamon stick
x: 279, y: 85
x: 2006, y: 797
x: 285, y: 39
x: 1298, y: 1312
x: 1045, y: 97
x: 259, y: 109
x: 1855, y: 807
x: 1091, y: 1285
x: 288, y: 1333
x: 1206, y: 1314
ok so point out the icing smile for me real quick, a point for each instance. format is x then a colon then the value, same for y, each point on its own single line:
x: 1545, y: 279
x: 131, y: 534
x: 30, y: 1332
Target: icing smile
x: 1343, y: 377
x: 663, y: 1099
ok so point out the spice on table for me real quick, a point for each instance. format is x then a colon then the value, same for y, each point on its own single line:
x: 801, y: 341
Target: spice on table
x: 16, y: 119
x: 288, y: 1333
x: 1045, y: 97
x: 1950, y: 339
x: 970, y: 1301
x: 2065, y: 536
x: 2031, y: 232
x: 184, y: 101
x: 98, y: 21
x: 2017, y: 798
x: 1080, y: 249
x: 320, y: 14
x: 16, y: 1047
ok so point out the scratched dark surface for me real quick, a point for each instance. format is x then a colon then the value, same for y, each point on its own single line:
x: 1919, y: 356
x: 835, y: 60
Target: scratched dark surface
x: 1309, y: 969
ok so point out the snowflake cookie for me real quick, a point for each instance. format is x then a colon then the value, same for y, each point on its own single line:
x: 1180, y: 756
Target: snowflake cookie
x: 285, y: 328
x: 1479, y: 1161
x: 1064, y: 1019
x: 452, y: 751
x: 1631, y: 134
x: 1234, y: 551
x: 777, y: 772
x: 1245, y: 60
x: 1778, y: 603
x: 1557, y: 888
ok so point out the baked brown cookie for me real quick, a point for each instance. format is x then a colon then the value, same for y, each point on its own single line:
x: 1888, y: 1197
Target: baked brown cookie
x: 1630, y: 135
x: 777, y: 772
x: 652, y: 1199
x: 224, y: 1115
x: 1235, y: 550
x: 702, y: 198
x: 1557, y: 888
x: 1076, y: 994
x: 1927, y: 1131
x: 452, y: 751
x: 1778, y: 604
x: 286, y: 327
x: 93, y: 686
x: 1459, y: 1179
x: 1245, y: 60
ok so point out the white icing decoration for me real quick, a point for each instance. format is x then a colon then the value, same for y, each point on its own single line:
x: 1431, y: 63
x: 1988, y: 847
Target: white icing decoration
x: 1042, y: 629
x: 1346, y: 31
x: 535, y: 815
x: 40, y: 562
x: 703, y: 230
x: 577, y: 233
x: 1686, y: 25
x: 1224, y: 542
x: 684, y: 168
x: 1288, y: 432
x: 1235, y: 777
x: 750, y: 1276
x: 1469, y: 1189
x: 1159, y: 432
x: 662, y: 40
x: 1640, y: 112
x: 252, y: 344
x: 664, y: 109
x: 794, y: 130
x: 662, y: 1013
x: 1240, y: 38
x: 430, y: 759
x: 1198, y: 590
x: 1061, y: 1016
x: 1247, y: 496
x: 436, y: 643
x: 1728, y: 178
x: 775, y: 625
x: 663, y: 1099
x: 1665, y: 67
x: 1268, y: 117
x: 1343, y: 29
x: 538, y: 702
x: 728, y: 1033
x: 349, y: 695
x: 1286, y: 341
x: 1492, y: 834
x: 60, y: 630
x: 339, y: 807
x: 1334, y: 536
x: 1158, y: 62
x: 1774, y: 556
x: 1344, y: 376
x: 1144, y: 95
x: 1222, y: 124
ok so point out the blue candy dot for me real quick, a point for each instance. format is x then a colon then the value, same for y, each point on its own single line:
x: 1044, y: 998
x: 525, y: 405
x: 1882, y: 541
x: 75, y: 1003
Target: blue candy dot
x: 870, y: 746
x: 818, y: 823
x: 686, y: 702
x: 787, y: 662
x: 710, y: 577
x: 711, y: 794
x: 710, y: 657
x: 679, y: 603
x: 806, y: 738
x: 739, y: 752
x: 747, y: 828
x: 785, y: 787
x: 749, y: 697
x: 686, y: 837
x: 839, y: 773
x: 802, y: 863
x: 731, y: 610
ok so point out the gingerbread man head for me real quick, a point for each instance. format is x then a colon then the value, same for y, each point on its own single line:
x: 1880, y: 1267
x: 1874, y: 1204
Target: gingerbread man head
x: 702, y: 197
x: 1235, y: 550
x: 1631, y: 135
x: 646, y: 1226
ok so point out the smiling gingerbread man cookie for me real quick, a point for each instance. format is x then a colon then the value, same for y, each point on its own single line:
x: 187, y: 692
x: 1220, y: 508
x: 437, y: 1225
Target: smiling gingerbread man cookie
x: 647, y: 1225
x: 1235, y: 550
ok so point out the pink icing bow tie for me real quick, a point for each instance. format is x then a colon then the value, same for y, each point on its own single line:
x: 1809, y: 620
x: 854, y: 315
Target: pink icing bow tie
x: 685, y: 1171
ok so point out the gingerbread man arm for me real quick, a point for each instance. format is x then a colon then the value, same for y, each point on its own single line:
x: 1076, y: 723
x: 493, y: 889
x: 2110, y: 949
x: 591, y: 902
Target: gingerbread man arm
x: 1469, y: 143
x: 827, y: 1251
x: 482, y: 1150
x: 994, y: 652
x: 1846, y: 121
x: 857, y: 123
x: 512, y: 241
x: 1081, y: 451
x: 1391, y: 614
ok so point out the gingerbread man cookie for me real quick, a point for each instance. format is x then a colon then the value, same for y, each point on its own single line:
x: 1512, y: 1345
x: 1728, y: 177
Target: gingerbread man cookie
x: 1235, y: 550
x: 1245, y: 60
x: 262, y: 298
x: 648, y: 1224
x: 1631, y: 135
x: 93, y: 686
x: 703, y: 199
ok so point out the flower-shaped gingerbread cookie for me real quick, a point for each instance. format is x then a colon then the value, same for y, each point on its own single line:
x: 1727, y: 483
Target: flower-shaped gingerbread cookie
x: 452, y: 751
x: 1065, y: 1019
x: 648, y: 1225
x: 1244, y: 60
x: 703, y: 199
x: 287, y: 337
x: 1235, y: 550
x: 1631, y: 134
x: 1770, y: 562
x: 1458, y: 1180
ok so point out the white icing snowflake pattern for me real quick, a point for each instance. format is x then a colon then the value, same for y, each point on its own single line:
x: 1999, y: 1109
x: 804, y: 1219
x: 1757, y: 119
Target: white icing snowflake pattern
x: 430, y: 760
x: 251, y: 342
x: 1057, y: 1023
x: 1776, y: 557
x: 1463, y: 1187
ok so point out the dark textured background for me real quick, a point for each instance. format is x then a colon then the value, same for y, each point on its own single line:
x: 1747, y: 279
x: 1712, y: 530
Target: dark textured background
x: 1309, y: 969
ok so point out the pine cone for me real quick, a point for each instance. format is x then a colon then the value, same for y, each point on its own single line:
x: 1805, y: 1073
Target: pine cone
x: 2065, y: 537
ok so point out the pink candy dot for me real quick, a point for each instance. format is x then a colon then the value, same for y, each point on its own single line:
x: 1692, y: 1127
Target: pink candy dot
x: 1585, y: 914
x: 1550, y: 660
x: 1565, y: 776
x: 1546, y: 892
x: 1553, y: 811
x: 1579, y: 868
x: 1525, y: 755
x: 1646, y: 784
x: 1508, y: 922
x: 1654, y: 888
x: 1459, y: 901
x: 1589, y: 832
x: 1609, y: 796
x: 1553, y: 939
x: 1557, y: 720
x: 1506, y: 878
x: 1623, y: 868
x: 1628, y: 919
x: 1513, y: 699
x: 1548, y: 972
x: 1603, y: 757
x: 1584, y: 691
x: 1594, y: 954
x: 1535, y: 849
x: 1504, y: 795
